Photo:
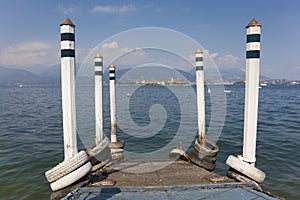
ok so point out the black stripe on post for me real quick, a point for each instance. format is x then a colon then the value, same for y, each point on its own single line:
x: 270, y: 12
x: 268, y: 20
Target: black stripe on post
x: 253, y: 38
x: 98, y: 63
x: 199, y: 68
x: 67, y: 36
x: 199, y: 59
x: 67, y: 53
x: 112, y: 71
x: 98, y: 73
x: 112, y: 78
x: 253, y: 54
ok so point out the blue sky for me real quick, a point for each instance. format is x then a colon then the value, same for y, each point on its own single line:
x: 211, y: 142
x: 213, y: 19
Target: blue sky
x: 29, y: 34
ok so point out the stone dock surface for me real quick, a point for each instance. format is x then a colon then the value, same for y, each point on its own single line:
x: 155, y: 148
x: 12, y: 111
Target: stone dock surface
x: 135, y: 179
x: 140, y: 173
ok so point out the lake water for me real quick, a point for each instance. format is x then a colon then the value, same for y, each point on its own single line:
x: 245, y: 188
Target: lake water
x: 31, y: 139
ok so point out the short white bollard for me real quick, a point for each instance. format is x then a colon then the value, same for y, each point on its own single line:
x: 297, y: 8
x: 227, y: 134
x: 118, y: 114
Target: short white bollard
x: 98, y: 99
x: 200, y: 96
x: 112, y: 94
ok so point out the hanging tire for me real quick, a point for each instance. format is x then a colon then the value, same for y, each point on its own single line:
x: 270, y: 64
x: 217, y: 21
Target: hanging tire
x: 100, y: 147
x: 116, y: 145
x: 211, y: 159
x: 100, y: 157
x: 66, y: 167
x: 201, y: 162
x: 100, y: 152
x: 209, y: 150
x: 71, y: 177
x: 116, y: 151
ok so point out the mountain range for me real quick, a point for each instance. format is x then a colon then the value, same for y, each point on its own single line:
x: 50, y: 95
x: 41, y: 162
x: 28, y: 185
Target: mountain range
x: 51, y: 75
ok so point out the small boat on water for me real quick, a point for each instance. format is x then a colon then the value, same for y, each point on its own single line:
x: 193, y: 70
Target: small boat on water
x: 227, y: 91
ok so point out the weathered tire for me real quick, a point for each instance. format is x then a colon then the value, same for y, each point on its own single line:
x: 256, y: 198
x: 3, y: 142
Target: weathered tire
x: 211, y: 159
x: 71, y: 177
x: 209, y: 150
x: 100, y: 157
x: 245, y: 168
x: 116, y: 151
x: 201, y: 162
x: 66, y: 167
x: 117, y: 156
x: 116, y: 145
x: 232, y: 173
x: 99, y: 153
x: 100, y: 147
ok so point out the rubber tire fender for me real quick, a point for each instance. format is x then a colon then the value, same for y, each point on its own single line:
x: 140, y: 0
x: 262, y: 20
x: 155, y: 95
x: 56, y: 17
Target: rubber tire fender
x: 71, y: 177
x: 66, y: 167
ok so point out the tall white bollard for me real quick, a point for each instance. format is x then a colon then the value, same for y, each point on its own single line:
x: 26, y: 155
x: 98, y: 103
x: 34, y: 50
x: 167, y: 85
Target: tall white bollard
x: 200, y: 96
x: 245, y: 164
x: 98, y: 99
x: 112, y: 94
x: 251, y: 91
x: 67, y: 32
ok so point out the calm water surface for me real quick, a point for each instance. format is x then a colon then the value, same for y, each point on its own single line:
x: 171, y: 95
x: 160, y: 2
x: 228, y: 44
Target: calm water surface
x: 31, y: 135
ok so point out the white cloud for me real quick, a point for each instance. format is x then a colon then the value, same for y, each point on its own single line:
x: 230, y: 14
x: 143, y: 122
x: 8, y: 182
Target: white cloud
x: 229, y: 59
x: 112, y: 45
x: 29, y: 53
x: 114, y: 9
x: 213, y: 55
x: 134, y: 57
x: 68, y: 10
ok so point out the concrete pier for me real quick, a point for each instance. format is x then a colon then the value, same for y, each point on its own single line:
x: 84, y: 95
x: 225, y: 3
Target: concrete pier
x: 175, y: 173
x: 98, y: 99
x: 67, y: 45
x: 179, y: 180
x: 245, y: 164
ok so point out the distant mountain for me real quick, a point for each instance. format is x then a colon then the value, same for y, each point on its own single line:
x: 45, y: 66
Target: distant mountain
x: 51, y: 75
x: 12, y: 76
x: 236, y: 74
x: 228, y: 75
x: 233, y: 74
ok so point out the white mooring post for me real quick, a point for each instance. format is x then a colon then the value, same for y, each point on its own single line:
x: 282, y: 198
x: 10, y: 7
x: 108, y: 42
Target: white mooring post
x: 246, y: 164
x: 112, y: 94
x: 98, y: 99
x: 67, y: 45
x: 200, y: 96
x: 251, y: 91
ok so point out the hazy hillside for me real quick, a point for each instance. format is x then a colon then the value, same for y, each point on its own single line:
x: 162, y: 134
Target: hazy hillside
x: 10, y: 76
x: 235, y: 74
x: 51, y: 75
